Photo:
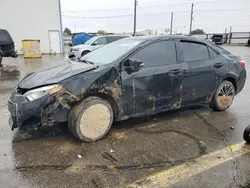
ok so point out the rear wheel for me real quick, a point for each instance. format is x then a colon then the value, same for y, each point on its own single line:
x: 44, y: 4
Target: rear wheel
x: 91, y: 119
x: 223, y: 97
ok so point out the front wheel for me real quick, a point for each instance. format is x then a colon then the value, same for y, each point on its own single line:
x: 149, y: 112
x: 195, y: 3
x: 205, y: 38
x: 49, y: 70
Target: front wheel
x: 84, y: 53
x: 91, y: 119
x: 223, y: 97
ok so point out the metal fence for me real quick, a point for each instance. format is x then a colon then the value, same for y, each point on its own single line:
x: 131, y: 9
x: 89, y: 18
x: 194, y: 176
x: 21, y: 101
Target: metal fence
x: 231, y: 38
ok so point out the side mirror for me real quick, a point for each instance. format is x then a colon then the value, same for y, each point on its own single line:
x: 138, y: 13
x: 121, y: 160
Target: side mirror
x: 132, y: 65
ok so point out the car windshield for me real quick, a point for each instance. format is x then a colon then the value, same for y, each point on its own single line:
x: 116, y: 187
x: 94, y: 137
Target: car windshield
x: 90, y: 41
x: 112, y: 51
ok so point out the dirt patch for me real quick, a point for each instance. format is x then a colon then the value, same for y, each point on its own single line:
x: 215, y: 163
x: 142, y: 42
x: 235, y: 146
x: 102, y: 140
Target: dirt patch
x: 119, y: 135
x: 67, y: 147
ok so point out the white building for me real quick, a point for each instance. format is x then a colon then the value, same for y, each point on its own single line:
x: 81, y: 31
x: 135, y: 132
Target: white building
x: 33, y: 20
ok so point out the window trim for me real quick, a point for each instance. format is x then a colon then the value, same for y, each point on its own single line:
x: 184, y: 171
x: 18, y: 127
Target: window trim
x: 153, y: 42
x: 217, y: 53
x: 111, y: 37
x: 197, y: 42
x: 99, y: 39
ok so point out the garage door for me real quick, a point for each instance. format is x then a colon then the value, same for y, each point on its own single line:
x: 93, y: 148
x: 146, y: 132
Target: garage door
x: 54, y: 40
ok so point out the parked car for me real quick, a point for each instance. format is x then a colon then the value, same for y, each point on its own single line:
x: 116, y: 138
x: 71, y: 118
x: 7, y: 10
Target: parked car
x: 128, y: 78
x: 79, y: 51
x: 217, y: 39
x: 7, y: 47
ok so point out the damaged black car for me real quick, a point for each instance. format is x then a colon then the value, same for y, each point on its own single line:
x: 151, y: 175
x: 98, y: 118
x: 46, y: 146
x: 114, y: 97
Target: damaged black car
x: 128, y: 78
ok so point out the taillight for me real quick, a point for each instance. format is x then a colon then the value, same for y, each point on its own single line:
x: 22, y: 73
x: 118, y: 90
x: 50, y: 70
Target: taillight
x: 242, y: 63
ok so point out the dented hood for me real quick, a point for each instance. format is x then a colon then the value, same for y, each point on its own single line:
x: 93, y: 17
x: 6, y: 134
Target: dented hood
x: 54, y: 74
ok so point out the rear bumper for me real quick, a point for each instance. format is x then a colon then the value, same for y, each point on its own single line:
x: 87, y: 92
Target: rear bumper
x: 11, y: 53
x: 241, y: 81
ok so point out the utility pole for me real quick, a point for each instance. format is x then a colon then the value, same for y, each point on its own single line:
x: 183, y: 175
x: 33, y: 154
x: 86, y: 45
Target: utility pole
x: 135, y: 7
x: 225, y: 39
x: 191, y: 18
x: 230, y: 35
x: 171, y: 25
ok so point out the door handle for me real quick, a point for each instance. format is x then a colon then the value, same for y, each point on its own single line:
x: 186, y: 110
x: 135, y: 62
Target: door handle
x: 175, y: 72
x: 218, y: 65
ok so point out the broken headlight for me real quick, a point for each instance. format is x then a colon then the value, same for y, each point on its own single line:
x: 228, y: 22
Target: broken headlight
x: 42, y: 91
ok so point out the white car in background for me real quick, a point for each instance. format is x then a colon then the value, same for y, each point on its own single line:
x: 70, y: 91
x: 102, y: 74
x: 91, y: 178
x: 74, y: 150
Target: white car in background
x: 92, y: 44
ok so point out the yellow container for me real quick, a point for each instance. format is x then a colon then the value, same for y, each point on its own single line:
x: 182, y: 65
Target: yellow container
x: 31, y: 48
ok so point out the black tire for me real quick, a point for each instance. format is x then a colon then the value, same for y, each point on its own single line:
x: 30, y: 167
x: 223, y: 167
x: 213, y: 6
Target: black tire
x: 246, y: 134
x: 84, y: 53
x: 79, y: 124
x: 223, y: 102
x: 1, y: 59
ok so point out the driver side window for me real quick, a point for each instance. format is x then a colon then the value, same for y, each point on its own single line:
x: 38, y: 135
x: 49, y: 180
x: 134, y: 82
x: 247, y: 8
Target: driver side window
x: 157, y: 54
x: 101, y: 41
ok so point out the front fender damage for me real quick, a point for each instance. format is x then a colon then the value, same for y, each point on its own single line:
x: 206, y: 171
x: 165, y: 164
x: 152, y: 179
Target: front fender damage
x: 57, y: 107
x: 108, y: 86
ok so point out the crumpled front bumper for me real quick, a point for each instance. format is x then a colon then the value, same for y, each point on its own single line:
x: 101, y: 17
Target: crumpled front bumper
x: 46, y: 110
x: 24, y: 112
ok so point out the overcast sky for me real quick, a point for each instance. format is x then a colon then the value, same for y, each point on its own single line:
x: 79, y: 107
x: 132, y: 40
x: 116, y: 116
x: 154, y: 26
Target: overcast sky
x: 117, y: 15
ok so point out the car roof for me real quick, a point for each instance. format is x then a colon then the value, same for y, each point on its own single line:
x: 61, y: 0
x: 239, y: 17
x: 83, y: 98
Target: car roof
x: 112, y: 36
x: 157, y: 37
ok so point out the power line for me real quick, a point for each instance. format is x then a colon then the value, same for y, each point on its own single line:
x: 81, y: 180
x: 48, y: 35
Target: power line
x: 228, y: 17
x: 95, y: 10
x: 223, y: 1
x: 115, y: 16
x: 131, y: 15
x: 98, y: 17
x: 156, y: 6
x: 203, y: 10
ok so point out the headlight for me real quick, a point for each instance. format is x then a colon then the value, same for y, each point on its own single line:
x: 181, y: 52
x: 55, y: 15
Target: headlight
x: 75, y: 49
x: 42, y: 91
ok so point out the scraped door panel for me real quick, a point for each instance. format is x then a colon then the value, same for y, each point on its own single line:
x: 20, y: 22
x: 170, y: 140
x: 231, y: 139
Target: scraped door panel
x: 151, y: 90
x: 199, y: 78
x: 157, y: 86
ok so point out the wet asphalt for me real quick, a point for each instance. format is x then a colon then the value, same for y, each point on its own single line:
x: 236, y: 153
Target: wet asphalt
x: 132, y: 150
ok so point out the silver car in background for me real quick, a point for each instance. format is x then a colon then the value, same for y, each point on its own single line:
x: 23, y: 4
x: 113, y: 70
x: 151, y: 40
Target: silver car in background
x: 76, y: 52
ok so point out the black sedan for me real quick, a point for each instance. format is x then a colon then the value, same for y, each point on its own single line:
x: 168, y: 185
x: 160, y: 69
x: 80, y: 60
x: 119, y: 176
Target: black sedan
x: 128, y: 78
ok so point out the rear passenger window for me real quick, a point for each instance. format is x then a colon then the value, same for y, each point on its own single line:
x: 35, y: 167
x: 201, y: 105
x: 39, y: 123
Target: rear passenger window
x: 114, y: 38
x: 194, y: 51
x: 212, y: 53
x: 101, y: 41
x: 159, y: 53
